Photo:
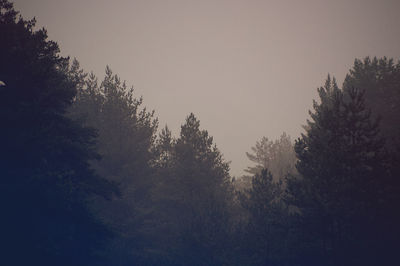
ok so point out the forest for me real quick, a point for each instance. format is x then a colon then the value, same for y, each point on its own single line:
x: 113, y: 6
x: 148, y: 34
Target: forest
x: 89, y: 177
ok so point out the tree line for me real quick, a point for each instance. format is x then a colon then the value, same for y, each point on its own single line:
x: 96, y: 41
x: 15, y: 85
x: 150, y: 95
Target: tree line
x: 88, y: 178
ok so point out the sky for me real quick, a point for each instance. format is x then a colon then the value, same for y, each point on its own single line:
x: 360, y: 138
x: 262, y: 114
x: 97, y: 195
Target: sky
x: 246, y: 69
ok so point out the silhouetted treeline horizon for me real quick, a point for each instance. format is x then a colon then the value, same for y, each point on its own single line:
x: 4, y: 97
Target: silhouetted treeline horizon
x: 89, y: 178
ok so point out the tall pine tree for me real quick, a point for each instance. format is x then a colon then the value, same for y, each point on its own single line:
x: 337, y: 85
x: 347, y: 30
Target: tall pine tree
x: 340, y: 160
x: 44, y: 160
x: 193, y: 196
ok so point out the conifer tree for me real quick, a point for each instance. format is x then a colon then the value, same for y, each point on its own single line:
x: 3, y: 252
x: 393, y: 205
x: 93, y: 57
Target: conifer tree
x: 277, y: 156
x: 194, y: 196
x: 380, y: 78
x: 45, y: 173
x: 126, y: 134
x: 265, y: 231
x: 340, y: 165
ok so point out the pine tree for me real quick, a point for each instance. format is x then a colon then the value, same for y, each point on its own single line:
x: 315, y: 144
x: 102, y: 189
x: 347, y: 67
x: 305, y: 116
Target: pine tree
x: 278, y: 156
x: 380, y: 78
x: 126, y: 134
x: 339, y: 162
x: 193, y: 196
x: 265, y: 232
x: 45, y: 173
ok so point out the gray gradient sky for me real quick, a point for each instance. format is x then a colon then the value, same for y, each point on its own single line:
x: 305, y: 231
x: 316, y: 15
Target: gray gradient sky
x: 247, y: 69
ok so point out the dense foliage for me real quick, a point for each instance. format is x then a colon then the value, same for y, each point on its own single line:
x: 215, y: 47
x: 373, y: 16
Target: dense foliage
x: 341, y: 167
x: 45, y: 172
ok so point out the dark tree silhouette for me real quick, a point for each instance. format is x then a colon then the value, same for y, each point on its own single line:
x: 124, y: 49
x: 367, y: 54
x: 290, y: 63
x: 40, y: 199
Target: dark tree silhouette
x: 266, y: 231
x: 380, y: 78
x: 126, y: 133
x: 45, y: 175
x: 340, y: 161
x: 193, y: 196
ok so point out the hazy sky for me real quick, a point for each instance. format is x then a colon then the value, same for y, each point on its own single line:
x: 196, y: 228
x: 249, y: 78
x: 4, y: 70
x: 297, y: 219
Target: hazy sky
x: 247, y: 69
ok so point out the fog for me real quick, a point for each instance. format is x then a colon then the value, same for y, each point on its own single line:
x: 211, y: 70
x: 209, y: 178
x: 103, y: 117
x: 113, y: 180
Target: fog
x: 245, y: 133
x: 247, y: 69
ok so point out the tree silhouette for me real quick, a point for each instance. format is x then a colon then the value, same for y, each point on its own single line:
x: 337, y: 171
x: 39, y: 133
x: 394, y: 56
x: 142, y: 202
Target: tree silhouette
x: 340, y: 164
x: 193, y: 196
x: 45, y: 173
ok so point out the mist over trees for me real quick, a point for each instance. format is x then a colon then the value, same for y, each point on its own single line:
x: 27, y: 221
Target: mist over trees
x: 89, y: 178
x: 277, y: 156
